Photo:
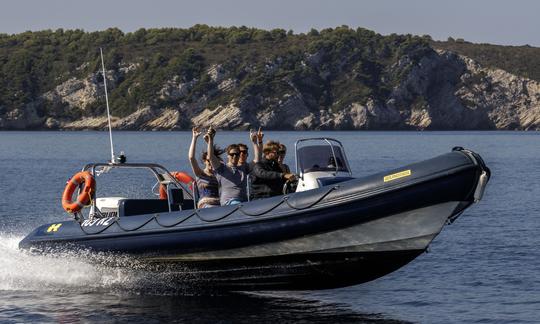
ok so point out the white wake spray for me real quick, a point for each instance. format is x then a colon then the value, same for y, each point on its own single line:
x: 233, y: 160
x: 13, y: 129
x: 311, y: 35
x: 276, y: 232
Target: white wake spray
x: 22, y: 270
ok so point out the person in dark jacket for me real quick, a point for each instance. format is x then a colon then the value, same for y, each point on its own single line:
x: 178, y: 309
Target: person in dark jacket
x: 267, y: 175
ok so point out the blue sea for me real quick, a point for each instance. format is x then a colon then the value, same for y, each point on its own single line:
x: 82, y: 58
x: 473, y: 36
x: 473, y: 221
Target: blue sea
x: 484, y: 268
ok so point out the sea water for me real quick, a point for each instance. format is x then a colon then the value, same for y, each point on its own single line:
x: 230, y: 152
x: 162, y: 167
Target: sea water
x: 484, y: 268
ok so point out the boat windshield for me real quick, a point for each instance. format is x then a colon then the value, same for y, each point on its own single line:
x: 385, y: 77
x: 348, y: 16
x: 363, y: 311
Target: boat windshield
x: 315, y: 158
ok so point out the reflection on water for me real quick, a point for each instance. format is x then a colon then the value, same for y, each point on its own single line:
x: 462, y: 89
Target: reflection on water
x: 127, y: 307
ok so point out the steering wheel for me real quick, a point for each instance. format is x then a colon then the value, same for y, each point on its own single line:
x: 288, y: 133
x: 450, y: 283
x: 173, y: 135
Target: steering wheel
x: 290, y: 186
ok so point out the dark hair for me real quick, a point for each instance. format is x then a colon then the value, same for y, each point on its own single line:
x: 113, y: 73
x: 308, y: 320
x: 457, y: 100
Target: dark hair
x: 217, y: 152
x: 232, y: 146
x: 242, y: 146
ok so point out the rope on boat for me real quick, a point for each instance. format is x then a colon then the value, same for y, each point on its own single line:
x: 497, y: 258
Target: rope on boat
x: 136, y: 227
x: 264, y: 212
x: 310, y: 205
x: 156, y: 217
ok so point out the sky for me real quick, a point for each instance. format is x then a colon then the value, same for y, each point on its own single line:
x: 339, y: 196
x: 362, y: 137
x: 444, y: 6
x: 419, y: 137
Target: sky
x: 479, y: 21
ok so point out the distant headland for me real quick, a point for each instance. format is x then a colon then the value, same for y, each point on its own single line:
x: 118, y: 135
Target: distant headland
x: 238, y: 78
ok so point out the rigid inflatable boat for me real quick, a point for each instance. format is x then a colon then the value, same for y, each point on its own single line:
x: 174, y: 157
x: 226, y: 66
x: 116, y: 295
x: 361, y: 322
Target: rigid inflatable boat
x: 334, y: 230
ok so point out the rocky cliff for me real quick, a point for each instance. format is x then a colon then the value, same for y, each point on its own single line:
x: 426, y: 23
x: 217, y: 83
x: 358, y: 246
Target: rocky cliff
x: 418, y: 90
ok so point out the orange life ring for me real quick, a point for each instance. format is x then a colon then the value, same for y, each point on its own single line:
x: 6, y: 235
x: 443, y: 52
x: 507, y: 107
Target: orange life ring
x: 180, y: 176
x: 84, y: 197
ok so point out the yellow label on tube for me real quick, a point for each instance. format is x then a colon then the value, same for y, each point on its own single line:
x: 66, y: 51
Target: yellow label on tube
x: 398, y: 175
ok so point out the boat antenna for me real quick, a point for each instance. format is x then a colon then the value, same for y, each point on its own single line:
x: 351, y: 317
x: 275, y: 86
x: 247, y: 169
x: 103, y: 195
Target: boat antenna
x: 107, y: 102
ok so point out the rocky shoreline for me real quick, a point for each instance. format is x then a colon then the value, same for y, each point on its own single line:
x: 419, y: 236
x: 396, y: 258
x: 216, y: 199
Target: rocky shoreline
x: 440, y: 91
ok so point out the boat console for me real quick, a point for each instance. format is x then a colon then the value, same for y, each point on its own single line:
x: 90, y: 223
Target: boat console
x: 320, y: 162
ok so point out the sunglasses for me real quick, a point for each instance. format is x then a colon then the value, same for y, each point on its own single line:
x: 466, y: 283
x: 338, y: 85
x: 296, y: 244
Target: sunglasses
x: 244, y: 152
x: 234, y: 154
x: 282, y: 152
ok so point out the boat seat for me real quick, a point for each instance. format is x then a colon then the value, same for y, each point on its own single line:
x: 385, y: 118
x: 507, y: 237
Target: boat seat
x: 178, y: 199
x: 188, y: 204
x: 130, y: 207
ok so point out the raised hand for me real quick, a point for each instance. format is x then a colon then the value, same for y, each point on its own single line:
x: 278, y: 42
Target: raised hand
x: 253, y: 136
x: 196, y: 132
x: 210, y: 133
x: 260, y: 135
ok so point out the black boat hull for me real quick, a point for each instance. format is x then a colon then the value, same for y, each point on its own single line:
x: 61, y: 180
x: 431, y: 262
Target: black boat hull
x: 291, y: 272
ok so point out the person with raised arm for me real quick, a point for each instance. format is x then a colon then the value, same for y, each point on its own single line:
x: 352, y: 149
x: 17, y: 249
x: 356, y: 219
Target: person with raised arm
x: 256, y: 139
x: 206, y: 181
x: 268, y: 176
x: 231, y: 177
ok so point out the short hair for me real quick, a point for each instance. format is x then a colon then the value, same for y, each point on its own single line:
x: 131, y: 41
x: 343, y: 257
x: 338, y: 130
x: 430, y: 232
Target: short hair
x: 217, y: 152
x: 282, y: 147
x: 231, y: 147
x: 242, y: 146
x: 270, y: 146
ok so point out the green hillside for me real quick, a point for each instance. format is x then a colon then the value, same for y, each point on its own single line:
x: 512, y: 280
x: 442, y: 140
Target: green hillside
x: 352, y: 65
x: 519, y: 60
